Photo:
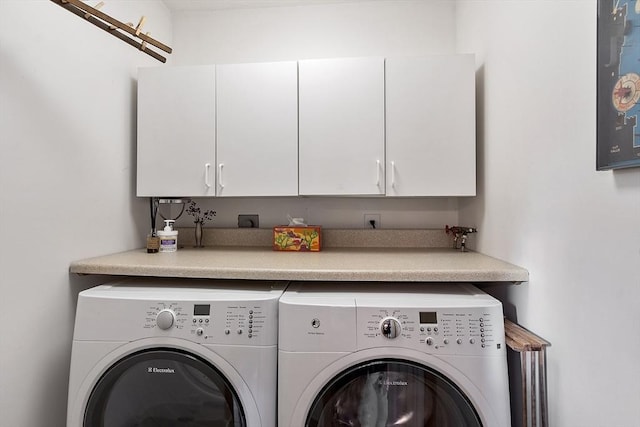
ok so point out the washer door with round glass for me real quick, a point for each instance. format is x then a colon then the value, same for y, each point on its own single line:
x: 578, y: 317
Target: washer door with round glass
x: 385, y: 393
x: 163, y: 387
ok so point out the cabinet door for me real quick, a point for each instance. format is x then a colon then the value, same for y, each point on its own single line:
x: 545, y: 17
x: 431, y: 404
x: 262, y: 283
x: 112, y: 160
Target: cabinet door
x: 341, y: 116
x: 257, y: 136
x: 431, y: 126
x: 176, y: 131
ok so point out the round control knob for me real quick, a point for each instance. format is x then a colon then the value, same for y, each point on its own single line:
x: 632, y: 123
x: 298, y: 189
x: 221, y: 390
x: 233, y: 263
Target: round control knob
x: 390, y: 327
x: 429, y: 341
x: 165, y: 319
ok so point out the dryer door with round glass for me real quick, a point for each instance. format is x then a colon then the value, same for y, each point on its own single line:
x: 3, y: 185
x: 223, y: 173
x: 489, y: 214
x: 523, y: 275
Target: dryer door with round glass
x: 163, y: 387
x: 392, y: 393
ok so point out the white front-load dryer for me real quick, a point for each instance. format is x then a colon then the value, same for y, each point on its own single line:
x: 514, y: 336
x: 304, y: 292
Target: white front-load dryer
x: 175, y: 352
x: 377, y: 355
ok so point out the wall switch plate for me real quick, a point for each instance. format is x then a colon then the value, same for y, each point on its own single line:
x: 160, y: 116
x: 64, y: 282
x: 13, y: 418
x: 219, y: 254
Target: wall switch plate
x: 248, y: 221
x: 372, y: 221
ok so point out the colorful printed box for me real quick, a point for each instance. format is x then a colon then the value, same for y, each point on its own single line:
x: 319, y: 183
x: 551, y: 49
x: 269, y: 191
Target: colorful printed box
x: 296, y: 238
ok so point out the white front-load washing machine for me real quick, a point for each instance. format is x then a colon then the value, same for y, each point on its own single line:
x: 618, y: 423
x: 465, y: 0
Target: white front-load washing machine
x: 375, y: 355
x: 175, y: 352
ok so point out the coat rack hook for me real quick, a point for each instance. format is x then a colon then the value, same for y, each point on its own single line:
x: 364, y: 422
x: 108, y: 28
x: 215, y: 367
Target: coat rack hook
x: 143, y: 45
x: 140, y: 25
x: 96, y: 7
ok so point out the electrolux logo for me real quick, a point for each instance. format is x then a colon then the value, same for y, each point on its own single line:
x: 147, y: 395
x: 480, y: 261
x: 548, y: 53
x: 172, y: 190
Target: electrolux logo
x: 394, y: 383
x: 154, y: 370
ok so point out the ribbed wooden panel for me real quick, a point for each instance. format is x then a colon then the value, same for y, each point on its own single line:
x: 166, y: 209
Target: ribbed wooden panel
x: 520, y: 339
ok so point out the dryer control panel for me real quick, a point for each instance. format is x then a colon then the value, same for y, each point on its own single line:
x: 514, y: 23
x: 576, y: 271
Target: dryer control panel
x: 468, y: 331
x: 434, y: 318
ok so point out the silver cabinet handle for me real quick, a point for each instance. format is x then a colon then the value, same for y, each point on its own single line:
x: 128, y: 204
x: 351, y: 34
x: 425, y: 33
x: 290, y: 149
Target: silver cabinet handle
x: 220, y: 183
x: 378, y: 173
x: 393, y: 174
x: 207, y: 167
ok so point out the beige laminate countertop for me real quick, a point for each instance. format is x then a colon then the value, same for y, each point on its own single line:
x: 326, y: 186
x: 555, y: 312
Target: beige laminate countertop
x: 335, y: 263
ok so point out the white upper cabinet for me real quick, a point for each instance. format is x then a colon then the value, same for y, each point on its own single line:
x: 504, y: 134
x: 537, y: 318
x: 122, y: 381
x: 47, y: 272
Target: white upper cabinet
x: 257, y: 129
x: 341, y: 121
x: 430, y: 126
x: 176, y: 131
x: 346, y: 127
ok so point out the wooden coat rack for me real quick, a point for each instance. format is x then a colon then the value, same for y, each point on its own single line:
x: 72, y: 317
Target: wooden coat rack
x: 533, y: 368
x: 125, y: 32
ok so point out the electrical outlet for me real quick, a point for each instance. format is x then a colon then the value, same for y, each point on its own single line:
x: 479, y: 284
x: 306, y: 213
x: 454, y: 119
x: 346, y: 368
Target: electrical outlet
x: 372, y: 221
x: 248, y: 221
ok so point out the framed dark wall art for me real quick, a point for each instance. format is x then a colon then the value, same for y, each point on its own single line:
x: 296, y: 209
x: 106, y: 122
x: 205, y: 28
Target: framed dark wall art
x: 618, y: 122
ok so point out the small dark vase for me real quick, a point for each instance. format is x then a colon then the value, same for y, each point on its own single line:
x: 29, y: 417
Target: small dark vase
x: 198, y: 234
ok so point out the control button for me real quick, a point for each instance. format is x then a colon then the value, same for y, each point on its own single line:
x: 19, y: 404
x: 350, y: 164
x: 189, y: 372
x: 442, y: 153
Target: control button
x: 227, y: 331
x: 194, y: 320
x: 421, y: 328
x: 481, y: 329
x: 483, y: 345
x: 446, y: 341
x: 390, y: 327
x: 199, y: 320
x: 435, y: 329
x: 206, y: 320
x: 459, y: 341
x: 472, y: 341
x: 239, y: 331
x: 250, y: 335
x: 251, y: 316
x: 251, y: 330
x: 165, y: 319
x: 428, y: 328
x: 250, y: 311
x: 429, y: 341
x: 199, y: 331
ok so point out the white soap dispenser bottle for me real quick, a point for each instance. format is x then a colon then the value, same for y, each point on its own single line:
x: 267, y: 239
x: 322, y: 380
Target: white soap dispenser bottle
x: 168, y: 237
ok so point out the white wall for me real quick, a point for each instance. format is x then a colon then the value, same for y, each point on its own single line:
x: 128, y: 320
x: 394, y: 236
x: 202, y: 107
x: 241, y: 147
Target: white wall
x: 380, y: 28
x: 541, y: 204
x: 67, y: 123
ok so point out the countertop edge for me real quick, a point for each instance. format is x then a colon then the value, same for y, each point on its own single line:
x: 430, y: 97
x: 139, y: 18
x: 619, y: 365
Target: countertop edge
x: 474, y: 267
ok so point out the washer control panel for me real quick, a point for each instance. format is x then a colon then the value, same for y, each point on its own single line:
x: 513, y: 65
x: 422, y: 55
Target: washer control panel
x: 215, y: 322
x: 472, y: 330
x: 206, y: 312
